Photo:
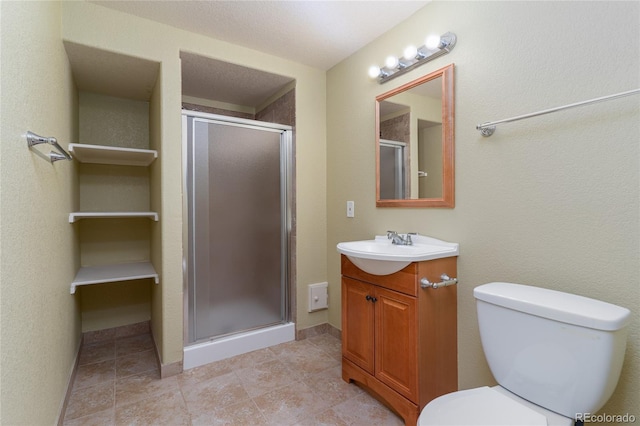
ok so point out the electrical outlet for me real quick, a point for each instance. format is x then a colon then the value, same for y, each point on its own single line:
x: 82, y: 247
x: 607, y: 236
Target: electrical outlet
x: 351, y: 209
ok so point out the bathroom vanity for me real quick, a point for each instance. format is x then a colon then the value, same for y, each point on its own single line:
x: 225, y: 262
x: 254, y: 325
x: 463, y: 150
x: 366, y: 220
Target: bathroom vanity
x: 399, y: 339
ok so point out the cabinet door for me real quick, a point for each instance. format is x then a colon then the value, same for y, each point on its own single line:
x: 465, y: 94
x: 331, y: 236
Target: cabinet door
x: 358, y: 323
x: 396, y: 346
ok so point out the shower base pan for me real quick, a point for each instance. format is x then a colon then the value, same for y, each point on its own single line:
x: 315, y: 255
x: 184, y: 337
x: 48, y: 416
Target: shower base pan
x: 237, y: 344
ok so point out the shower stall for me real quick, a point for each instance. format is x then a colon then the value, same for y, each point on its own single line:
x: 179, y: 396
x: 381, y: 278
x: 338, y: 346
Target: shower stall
x: 238, y: 210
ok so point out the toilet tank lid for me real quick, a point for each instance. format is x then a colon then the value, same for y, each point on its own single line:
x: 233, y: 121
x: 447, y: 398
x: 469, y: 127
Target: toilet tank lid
x: 555, y: 305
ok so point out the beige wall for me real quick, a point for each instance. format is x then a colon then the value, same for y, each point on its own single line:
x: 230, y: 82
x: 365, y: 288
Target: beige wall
x: 552, y: 201
x: 40, y: 250
x: 96, y: 26
x: 40, y: 322
x: 155, y: 142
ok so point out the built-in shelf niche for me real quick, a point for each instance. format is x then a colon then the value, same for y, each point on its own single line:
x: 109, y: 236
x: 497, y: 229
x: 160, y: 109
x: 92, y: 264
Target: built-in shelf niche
x: 101, y: 154
x: 115, y: 156
x: 76, y: 216
x: 115, y: 219
x: 88, y: 275
x: 114, y: 192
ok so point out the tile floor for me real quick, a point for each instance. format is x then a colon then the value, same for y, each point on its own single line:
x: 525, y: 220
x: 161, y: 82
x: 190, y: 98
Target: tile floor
x: 295, y: 383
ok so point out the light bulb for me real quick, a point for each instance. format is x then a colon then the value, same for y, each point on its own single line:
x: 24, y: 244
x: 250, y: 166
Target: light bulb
x: 410, y: 52
x: 432, y: 42
x: 374, y: 71
x: 391, y: 62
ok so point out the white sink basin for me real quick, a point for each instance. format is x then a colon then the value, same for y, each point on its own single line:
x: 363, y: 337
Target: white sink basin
x: 381, y: 257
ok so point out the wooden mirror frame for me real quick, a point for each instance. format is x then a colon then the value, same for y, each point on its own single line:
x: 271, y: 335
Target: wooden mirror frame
x: 448, y: 143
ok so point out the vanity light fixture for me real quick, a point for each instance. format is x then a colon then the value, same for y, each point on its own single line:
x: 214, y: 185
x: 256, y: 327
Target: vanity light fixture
x: 434, y: 46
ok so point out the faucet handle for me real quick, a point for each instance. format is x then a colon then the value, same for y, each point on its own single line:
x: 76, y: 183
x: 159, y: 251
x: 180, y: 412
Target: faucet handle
x: 390, y: 234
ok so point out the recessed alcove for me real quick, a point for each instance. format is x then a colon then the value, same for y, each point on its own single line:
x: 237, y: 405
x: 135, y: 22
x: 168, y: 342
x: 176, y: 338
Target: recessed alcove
x: 219, y: 87
x: 116, y: 217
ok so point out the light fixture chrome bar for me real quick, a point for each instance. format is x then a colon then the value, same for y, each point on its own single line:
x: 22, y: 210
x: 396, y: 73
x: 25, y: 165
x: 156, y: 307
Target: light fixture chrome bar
x: 487, y: 129
x: 424, y: 55
x: 53, y: 156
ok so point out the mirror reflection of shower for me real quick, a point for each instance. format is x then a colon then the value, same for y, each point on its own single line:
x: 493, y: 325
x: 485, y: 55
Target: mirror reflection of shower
x: 419, y: 114
x: 393, y: 157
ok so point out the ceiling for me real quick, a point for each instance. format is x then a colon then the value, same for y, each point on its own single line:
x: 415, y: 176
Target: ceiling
x: 319, y: 34
x: 315, y: 33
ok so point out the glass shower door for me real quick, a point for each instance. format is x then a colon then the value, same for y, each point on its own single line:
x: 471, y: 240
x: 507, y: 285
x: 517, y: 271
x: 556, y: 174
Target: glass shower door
x: 238, y: 227
x: 392, y: 170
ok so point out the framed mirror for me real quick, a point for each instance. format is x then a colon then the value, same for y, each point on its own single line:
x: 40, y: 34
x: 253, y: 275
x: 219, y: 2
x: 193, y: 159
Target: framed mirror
x: 415, y: 164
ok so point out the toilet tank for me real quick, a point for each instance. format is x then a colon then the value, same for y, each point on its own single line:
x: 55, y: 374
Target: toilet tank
x: 561, y: 351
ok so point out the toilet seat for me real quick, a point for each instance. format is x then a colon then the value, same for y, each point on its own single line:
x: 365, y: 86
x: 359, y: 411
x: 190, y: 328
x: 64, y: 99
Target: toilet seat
x: 483, y: 406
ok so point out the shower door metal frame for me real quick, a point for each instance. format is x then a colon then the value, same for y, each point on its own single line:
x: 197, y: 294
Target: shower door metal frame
x: 400, y: 175
x: 286, y: 169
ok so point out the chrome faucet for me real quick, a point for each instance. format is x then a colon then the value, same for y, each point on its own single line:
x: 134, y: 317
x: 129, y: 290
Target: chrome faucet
x: 399, y: 239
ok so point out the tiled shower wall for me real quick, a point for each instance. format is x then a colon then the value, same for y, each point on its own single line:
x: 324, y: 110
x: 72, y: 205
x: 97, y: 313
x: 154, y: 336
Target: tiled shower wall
x: 396, y: 129
x: 281, y: 111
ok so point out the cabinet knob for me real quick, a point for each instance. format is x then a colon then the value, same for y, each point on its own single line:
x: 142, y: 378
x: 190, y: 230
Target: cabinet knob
x: 371, y: 298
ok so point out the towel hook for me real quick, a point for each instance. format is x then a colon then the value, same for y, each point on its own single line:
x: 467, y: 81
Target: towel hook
x: 53, y: 156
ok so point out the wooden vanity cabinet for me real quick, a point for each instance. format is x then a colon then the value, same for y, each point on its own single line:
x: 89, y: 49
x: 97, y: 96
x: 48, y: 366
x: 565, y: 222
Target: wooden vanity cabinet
x: 399, y: 341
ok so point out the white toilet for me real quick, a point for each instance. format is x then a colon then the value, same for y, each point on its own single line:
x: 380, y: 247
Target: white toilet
x: 554, y: 355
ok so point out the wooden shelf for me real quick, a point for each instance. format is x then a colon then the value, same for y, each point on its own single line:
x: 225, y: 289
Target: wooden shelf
x: 101, y: 154
x: 76, y: 216
x: 113, y: 273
